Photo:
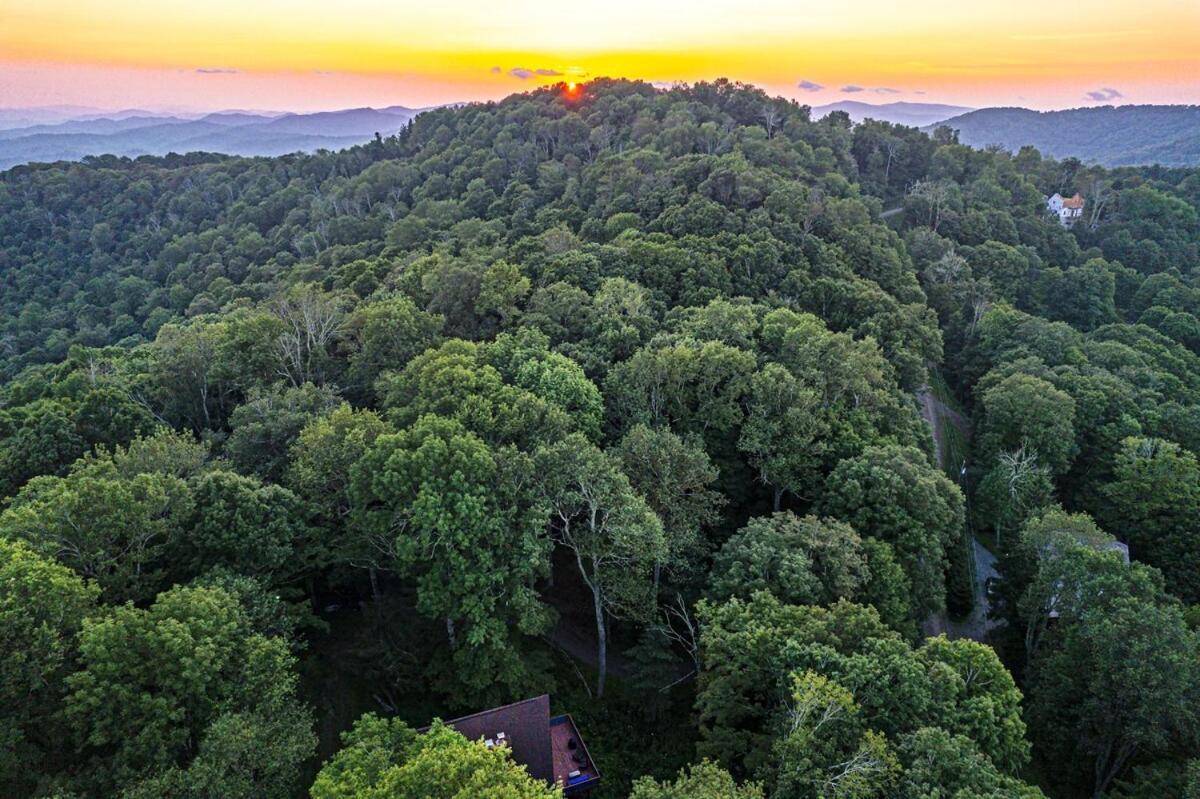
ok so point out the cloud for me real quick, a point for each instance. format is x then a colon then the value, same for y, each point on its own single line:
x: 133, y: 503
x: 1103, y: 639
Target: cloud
x: 1103, y: 95
x: 919, y: 91
x: 885, y: 90
x: 324, y: 72
x: 495, y: 70
x: 852, y: 89
x: 522, y: 73
x: 809, y: 86
x: 216, y: 71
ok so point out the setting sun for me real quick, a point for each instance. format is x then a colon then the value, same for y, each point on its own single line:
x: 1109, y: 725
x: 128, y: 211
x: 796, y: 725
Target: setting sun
x: 309, y: 55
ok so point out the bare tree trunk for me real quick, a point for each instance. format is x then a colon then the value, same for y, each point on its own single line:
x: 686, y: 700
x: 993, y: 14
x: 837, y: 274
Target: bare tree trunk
x: 601, y: 642
x: 374, y: 585
x: 778, y: 498
x: 450, y: 636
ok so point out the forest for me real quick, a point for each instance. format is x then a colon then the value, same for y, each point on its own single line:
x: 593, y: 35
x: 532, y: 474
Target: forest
x: 695, y: 413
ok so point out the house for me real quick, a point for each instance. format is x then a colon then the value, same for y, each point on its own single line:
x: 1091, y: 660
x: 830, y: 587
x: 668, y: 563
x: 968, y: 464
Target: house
x: 549, y: 747
x: 1067, y: 209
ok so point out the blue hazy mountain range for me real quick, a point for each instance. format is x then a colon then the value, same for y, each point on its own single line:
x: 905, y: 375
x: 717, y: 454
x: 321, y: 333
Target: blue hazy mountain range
x: 71, y: 133
x: 915, y: 115
x: 1112, y: 136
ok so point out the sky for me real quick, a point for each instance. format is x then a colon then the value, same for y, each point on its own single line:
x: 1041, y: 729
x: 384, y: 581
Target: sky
x: 309, y: 55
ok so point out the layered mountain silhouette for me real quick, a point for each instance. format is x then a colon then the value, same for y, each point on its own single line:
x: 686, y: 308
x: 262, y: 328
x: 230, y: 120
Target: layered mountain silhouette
x: 133, y: 133
x: 915, y: 115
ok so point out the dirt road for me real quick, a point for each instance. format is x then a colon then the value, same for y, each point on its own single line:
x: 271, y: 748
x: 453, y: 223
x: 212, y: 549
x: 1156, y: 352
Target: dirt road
x: 976, y: 626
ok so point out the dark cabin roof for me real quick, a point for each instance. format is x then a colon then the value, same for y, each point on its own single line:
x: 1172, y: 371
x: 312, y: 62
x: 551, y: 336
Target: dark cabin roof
x: 526, y: 728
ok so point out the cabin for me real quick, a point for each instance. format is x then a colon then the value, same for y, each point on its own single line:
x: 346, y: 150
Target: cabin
x: 550, y: 747
x: 1067, y: 209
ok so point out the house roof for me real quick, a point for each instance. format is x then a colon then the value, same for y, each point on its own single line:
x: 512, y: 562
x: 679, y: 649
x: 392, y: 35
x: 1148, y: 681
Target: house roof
x: 1073, y: 202
x: 526, y: 729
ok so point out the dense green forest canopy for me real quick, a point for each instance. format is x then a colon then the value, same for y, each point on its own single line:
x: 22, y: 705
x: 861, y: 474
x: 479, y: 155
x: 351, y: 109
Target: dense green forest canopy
x: 622, y: 394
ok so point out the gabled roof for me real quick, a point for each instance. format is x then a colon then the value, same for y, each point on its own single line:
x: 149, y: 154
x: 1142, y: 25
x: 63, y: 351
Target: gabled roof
x: 1073, y: 202
x: 526, y: 729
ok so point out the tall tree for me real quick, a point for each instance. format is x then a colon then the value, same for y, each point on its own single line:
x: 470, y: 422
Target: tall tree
x: 613, y: 535
x: 895, y: 494
x: 461, y: 520
x: 675, y: 478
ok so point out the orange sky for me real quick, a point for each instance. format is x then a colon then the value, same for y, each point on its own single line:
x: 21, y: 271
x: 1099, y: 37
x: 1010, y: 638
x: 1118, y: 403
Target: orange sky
x: 304, y: 54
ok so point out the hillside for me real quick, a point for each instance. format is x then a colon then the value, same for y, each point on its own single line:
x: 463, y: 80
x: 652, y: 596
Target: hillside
x: 1110, y: 135
x: 902, y: 113
x: 612, y: 394
x: 233, y: 133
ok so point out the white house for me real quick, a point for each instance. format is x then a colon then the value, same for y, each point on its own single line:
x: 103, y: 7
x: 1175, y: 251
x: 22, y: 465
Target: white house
x: 1067, y: 209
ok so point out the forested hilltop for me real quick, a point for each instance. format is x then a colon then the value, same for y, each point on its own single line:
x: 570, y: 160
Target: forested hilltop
x: 1107, y: 135
x: 614, y: 393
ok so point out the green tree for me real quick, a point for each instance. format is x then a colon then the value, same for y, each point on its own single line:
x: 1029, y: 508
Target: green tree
x: 164, y: 687
x: 781, y: 436
x: 895, y: 495
x: 263, y: 428
x: 674, y: 476
x: 1023, y: 411
x: 1153, y: 503
x: 980, y: 698
x: 705, y: 780
x: 461, y: 521
x: 939, y: 763
x: 39, y: 438
x: 1114, y: 685
x: 109, y: 528
x: 801, y: 561
x: 384, y: 334
x: 42, y: 605
x: 825, y: 748
x: 613, y: 535
x: 387, y: 760
x: 240, y: 523
x: 321, y: 461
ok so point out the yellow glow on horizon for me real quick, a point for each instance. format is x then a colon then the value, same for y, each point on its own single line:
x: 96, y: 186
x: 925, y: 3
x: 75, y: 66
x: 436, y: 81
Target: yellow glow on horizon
x: 491, y: 48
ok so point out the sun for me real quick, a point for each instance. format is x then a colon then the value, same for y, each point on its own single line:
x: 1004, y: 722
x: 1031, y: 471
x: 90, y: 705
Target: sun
x: 571, y: 85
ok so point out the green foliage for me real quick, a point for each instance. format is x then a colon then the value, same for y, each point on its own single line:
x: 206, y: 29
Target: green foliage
x: 263, y: 428
x: 704, y: 780
x: 180, y: 685
x: 113, y: 529
x: 613, y: 535
x: 1153, y: 503
x: 801, y: 561
x: 551, y: 352
x: 42, y: 605
x: 852, y: 686
x: 238, y: 522
x: 674, y: 477
x: 1113, y: 677
x: 459, y: 520
x: 895, y: 495
x: 384, y: 759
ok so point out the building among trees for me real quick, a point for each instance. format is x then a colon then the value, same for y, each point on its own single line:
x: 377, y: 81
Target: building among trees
x: 550, y: 747
x: 1067, y: 209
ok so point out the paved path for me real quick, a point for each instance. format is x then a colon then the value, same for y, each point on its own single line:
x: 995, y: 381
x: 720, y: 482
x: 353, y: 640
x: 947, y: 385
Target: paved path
x: 977, y: 625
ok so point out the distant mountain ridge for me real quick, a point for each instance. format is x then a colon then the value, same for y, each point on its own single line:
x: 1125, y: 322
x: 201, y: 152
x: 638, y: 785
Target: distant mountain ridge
x: 902, y: 113
x: 133, y: 133
x: 1126, y: 135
